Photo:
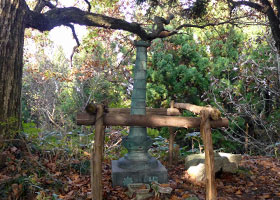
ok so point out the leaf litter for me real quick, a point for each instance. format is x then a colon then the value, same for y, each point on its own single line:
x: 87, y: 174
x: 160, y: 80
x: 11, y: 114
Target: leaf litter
x: 21, y: 177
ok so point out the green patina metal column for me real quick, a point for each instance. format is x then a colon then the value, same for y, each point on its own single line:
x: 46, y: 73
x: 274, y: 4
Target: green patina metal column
x: 137, y: 166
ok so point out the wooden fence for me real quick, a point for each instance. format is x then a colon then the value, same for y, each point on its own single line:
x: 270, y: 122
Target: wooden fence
x: 157, y: 117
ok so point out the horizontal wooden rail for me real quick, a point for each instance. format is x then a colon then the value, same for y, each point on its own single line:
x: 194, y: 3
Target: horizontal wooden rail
x: 149, y: 111
x: 115, y: 119
x: 92, y: 108
x: 214, y: 112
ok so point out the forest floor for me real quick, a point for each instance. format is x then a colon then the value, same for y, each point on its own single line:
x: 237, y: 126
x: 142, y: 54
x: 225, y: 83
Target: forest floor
x: 43, y: 175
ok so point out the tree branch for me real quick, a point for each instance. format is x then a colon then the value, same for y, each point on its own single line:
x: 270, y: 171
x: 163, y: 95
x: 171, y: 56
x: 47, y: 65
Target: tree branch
x: 77, y: 41
x: 230, y: 21
x: 256, y: 6
x: 64, y: 16
x: 158, y: 26
x: 41, y: 4
x: 89, y: 6
x: 267, y: 10
x: 74, y: 33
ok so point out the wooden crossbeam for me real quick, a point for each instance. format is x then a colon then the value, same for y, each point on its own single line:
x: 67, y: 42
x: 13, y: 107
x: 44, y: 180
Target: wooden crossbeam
x: 115, y: 119
x: 92, y: 108
x: 149, y: 111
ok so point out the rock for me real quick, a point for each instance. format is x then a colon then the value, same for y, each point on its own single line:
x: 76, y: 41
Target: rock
x: 224, y: 162
x: 197, y: 172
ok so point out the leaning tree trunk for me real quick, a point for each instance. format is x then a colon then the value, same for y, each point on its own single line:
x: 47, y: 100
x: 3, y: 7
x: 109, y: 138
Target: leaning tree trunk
x: 11, y: 64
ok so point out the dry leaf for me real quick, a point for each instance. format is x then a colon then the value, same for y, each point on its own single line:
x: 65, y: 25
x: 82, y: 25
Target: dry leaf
x: 58, y: 173
x: 238, y: 192
x: 250, y: 184
x: 265, y: 196
x: 174, y: 197
x: 164, y: 185
x: 86, y: 153
x: 13, y: 149
x: 186, y: 196
x: 277, y: 194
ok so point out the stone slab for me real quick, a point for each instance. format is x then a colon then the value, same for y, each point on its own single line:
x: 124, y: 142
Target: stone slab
x: 122, y: 177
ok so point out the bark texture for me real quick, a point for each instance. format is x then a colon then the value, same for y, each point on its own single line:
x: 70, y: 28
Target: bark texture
x: 65, y: 16
x: 12, y: 27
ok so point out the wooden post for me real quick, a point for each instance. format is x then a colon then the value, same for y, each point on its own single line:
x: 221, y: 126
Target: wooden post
x: 96, y: 155
x: 171, y: 144
x: 205, y: 130
x: 171, y: 137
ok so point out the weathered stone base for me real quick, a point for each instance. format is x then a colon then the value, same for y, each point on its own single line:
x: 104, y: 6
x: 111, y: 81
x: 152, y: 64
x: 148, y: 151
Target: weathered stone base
x: 122, y: 177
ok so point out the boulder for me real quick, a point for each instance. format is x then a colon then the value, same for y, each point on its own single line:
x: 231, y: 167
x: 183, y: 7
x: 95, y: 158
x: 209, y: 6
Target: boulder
x: 225, y: 162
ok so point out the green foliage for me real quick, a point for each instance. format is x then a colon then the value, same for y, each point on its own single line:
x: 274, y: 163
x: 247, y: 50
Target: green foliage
x: 177, y: 70
x: 160, y: 148
x: 153, y: 132
x: 220, y: 143
x: 82, y: 167
x: 219, y: 66
x: 180, y: 69
x: 185, y: 151
x: 11, y: 127
x: 31, y: 130
x: 197, y: 10
x: 103, y: 91
x: 164, y: 132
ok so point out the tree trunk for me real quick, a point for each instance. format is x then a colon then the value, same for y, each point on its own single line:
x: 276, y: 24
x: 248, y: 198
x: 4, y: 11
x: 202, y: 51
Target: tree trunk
x: 12, y: 14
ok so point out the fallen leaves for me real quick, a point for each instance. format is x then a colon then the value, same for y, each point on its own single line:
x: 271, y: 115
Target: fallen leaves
x: 265, y: 196
x: 17, y: 190
x: 238, y: 192
x: 258, y: 178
